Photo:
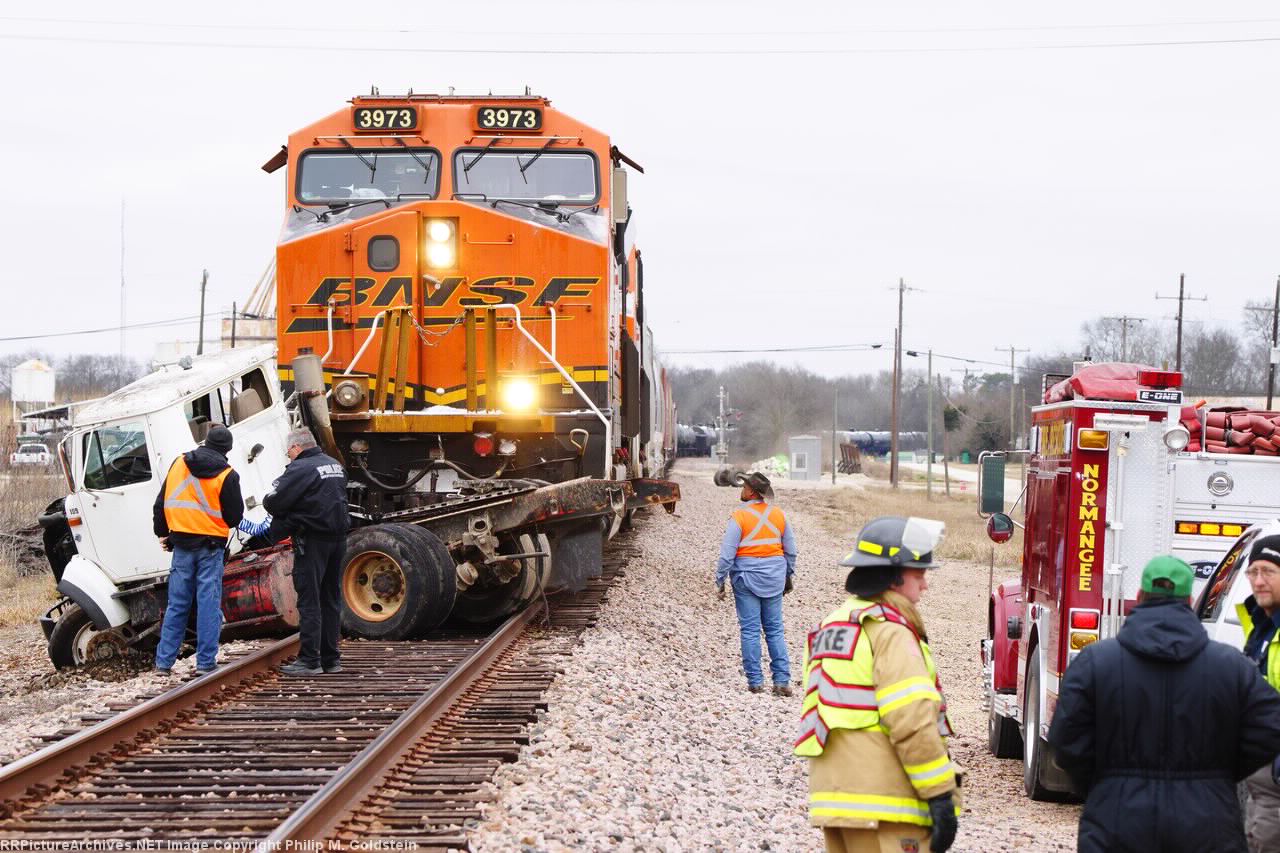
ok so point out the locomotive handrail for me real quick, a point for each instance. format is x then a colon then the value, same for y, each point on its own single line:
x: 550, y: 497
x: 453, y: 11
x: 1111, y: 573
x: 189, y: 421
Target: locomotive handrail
x: 608, y: 433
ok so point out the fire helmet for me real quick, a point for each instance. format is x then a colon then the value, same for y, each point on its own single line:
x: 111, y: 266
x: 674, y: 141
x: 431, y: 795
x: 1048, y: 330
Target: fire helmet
x: 887, y: 545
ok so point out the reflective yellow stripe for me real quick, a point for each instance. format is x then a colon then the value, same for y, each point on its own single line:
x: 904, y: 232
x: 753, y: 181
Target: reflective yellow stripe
x: 905, y: 692
x: 869, y: 807
x: 931, y: 772
x: 871, y: 548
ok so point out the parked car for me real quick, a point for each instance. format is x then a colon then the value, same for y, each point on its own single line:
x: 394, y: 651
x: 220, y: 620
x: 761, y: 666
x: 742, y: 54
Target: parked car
x: 30, y: 454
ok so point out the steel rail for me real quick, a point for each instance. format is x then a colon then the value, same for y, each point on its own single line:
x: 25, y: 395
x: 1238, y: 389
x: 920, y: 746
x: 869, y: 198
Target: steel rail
x: 44, y: 767
x: 315, y: 819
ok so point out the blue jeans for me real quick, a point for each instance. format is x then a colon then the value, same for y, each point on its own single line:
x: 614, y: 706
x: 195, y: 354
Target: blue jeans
x: 753, y: 612
x: 195, y: 573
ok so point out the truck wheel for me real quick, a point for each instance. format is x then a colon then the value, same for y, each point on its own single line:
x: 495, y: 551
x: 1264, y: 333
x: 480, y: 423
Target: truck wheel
x: 398, y: 582
x: 1034, y: 749
x: 74, y: 641
x: 1003, y: 738
x: 482, y: 602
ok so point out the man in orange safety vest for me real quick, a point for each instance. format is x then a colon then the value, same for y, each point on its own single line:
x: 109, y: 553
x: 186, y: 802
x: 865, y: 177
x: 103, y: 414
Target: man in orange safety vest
x: 758, y: 557
x: 198, y: 506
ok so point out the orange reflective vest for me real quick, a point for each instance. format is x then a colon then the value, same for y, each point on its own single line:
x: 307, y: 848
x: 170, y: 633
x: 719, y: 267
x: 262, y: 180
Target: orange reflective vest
x: 762, y: 527
x: 194, y: 505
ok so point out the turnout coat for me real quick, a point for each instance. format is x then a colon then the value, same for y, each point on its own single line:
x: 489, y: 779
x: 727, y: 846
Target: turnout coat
x: 1157, y: 726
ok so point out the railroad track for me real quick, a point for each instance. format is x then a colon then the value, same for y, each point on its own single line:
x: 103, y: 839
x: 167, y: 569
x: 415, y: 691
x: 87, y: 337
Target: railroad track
x: 398, y: 746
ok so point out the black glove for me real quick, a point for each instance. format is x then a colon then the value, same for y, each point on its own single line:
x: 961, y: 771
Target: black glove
x: 788, y: 586
x: 942, y: 811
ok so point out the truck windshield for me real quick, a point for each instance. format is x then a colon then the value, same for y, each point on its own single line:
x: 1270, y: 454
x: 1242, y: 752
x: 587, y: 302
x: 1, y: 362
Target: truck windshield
x: 340, y: 176
x: 116, y: 456
x: 530, y: 175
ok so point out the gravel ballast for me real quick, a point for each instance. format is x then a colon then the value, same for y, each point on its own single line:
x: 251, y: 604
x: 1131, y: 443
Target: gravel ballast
x: 652, y: 742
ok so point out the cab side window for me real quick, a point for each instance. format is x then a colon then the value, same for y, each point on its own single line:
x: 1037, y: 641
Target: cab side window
x: 1218, y: 594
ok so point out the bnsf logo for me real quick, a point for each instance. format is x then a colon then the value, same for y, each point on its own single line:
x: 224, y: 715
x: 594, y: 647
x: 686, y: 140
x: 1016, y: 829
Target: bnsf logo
x: 397, y: 289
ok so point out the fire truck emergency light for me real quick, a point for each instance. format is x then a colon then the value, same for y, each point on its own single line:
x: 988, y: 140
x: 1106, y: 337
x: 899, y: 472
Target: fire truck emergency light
x: 1159, y: 378
x: 1093, y: 439
x: 1210, y: 528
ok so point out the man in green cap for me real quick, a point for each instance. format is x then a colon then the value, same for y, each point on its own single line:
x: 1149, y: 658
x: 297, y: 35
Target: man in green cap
x: 1157, y: 725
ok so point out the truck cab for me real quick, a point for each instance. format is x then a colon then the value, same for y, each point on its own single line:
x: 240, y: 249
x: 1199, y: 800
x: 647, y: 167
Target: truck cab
x: 116, y: 456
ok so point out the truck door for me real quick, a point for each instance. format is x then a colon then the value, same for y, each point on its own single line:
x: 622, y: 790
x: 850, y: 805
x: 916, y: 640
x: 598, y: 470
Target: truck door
x: 117, y: 485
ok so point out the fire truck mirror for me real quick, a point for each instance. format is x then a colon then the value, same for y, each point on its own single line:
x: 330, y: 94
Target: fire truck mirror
x: 1000, y: 528
x: 992, y: 490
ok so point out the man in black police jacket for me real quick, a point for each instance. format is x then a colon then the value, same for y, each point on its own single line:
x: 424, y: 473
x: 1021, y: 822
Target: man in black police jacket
x: 309, y: 502
x: 1159, y: 724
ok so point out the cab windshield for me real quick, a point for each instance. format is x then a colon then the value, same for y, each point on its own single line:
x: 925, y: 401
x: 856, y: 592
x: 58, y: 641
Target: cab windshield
x: 326, y: 177
x: 532, y: 175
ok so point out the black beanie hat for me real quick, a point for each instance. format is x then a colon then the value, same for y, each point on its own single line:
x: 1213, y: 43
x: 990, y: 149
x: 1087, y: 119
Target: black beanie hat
x: 1266, y: 548
x: 219, y: 439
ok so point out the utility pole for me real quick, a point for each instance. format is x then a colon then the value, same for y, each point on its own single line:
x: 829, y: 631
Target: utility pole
x: 928, y: 465
x: 1013, y: 389
x: 722, y: 450
x: 1275, y: 324
x: 1181, y: 297
x: 897, y: 387
x: 204, y: 283
x: 122, y: 283
x: 233, y: 325
x: 1124, y: 321
x: 835, y: 421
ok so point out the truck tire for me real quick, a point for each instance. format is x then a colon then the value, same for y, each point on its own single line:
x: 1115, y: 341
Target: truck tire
x: 74, y: 641
x: 483, y: 603
x: 1034, y: 748
x: 1003, y: 738
x: 398, y: 582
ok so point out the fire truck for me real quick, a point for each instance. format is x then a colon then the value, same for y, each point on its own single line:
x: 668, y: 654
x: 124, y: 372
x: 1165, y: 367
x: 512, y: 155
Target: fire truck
x: 1109, y: 484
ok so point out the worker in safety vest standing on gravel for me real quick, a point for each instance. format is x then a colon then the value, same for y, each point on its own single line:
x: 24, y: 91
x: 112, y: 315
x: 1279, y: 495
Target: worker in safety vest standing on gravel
x: 874, y: 721
x: 758, y: 556
x: 1260, y: 619
x: 198, y: 505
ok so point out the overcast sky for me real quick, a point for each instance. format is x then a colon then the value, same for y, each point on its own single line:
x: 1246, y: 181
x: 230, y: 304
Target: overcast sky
x: 799, y: 158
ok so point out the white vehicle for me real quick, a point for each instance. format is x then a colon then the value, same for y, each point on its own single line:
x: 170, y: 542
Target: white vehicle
x: 107, y: 561
x: 30, y: 454
x: 1228, y: 587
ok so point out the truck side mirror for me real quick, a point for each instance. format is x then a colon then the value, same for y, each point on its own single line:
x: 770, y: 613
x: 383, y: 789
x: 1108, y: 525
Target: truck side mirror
x: 999, y: 528
x: 618, y: 196
x: 991, y: 499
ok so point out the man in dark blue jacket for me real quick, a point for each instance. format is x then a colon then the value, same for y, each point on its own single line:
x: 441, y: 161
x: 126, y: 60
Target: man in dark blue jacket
x: 1159, y: 724
x: 309, y: 502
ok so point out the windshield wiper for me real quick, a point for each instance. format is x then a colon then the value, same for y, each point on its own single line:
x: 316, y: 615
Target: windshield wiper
x: 373, y: 167
x: 425, y: 164
x: 550, y: 208
x: 466, y: 167
x: 534, y: 159
x: 341, y: 206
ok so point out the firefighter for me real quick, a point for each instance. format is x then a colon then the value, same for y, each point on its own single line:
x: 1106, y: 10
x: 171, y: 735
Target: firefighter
x: 198, y: 506
x: 1158, y: 725
x: 874, y: 722
x: 1259, y: 617
x: 758, y: 556
x: 309, y: 502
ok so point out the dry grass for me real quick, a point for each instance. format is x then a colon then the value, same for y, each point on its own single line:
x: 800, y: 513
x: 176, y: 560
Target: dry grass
x: 24, y: 599
x: 26, y: 587
x: 966, y: 537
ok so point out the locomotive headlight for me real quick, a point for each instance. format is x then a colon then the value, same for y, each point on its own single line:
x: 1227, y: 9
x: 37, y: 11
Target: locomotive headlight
x: 439, y: 231
x: 440, y: 255
x: 441, y: 244
x: 347, y: 394
x: 518, y: 395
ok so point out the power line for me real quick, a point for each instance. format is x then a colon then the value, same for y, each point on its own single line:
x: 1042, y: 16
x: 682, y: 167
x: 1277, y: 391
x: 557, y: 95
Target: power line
x: 647, y: 34
x: 526, y: 51
x: 153, y: 324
